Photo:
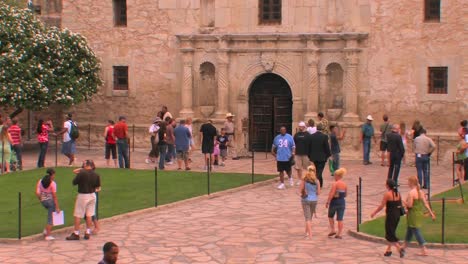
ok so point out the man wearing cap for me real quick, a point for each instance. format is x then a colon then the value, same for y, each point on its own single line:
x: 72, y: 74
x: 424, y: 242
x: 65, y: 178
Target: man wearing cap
x: 301, y: 139
x: 69, y: 145
x: 121, y: 133
x: 367, y: 132
x: 229, y: 129
x: 319, y: 151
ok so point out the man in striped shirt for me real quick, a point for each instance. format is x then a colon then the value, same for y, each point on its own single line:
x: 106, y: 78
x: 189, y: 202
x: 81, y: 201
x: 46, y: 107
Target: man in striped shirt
x: 15, y: 133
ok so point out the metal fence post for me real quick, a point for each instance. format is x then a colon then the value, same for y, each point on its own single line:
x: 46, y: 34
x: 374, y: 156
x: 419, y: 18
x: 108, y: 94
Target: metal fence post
x: 253, y: 165
x: 89, y: 136
x: 133, y: 135
x: 208, y: 172
x: 129, y: 154
x: 357, y: 208
x: 443, y: 220
x: 438, y: 149
x: 19, y: 215
x: 453, y: 168
x: 360, y: 200
x: 56, y: 150
x: 155, y: 186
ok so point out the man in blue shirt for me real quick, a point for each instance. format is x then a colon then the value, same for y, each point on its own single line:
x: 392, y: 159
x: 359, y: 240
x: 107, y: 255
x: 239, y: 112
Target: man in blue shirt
x: 366, y: 135
x: 283, y: 149
x: 182, y: 141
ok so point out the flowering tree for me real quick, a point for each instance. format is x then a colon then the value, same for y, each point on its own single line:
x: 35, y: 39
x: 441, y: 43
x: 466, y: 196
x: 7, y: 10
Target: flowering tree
x: 41, y: 66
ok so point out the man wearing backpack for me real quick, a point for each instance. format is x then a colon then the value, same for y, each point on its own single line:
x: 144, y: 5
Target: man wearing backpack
x: 70, y: 134
x: 367, y: 133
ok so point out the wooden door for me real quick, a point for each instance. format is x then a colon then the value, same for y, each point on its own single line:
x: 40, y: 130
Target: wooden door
x: 270, y: 107
x: 261, y: 114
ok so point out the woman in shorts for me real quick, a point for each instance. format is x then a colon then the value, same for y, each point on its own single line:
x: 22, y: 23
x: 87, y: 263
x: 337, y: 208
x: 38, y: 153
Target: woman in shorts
x: 46, y: 190
x: 310, y: 189
x: 336, y: 203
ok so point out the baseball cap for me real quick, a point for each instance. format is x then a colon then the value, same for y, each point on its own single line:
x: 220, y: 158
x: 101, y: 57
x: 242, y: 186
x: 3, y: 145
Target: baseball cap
x: 369, y: 117
x: 302, y: 124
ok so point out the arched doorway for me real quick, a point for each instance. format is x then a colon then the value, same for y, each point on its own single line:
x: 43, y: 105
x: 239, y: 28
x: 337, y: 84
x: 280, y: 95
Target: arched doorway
x: 270, y: 107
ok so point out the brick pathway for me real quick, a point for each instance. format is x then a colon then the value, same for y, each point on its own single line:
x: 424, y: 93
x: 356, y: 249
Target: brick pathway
x: 261, y: 225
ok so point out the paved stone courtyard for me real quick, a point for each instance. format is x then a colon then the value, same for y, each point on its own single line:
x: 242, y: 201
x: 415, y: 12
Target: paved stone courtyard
x: 259, y: 225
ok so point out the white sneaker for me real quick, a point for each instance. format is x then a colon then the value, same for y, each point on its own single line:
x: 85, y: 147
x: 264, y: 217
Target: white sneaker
x: 298, y: 183
x: 281, y: 186
x: 291, y: 182
x: 147, y: 161
x: 170, y: 163
x: 49, y: 238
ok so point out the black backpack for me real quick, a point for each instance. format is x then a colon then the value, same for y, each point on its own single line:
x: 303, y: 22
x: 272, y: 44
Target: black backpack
x: 74, y: 132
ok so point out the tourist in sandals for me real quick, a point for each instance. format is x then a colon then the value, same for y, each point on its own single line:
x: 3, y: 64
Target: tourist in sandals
x: 415, y: 203
x: 336, y: 203
x: 393, y: 204
x: 46, y: 192
x: 310, y: 189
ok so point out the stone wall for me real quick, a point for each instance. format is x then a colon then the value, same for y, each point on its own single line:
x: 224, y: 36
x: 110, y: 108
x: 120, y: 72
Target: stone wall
x: 393, y: 56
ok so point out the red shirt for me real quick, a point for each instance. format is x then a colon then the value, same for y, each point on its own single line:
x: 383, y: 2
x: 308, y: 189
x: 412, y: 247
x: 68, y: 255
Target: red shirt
x: 15, y: 133
x: 110, y: 139
x: 121, y: 130
x: 44, y: 135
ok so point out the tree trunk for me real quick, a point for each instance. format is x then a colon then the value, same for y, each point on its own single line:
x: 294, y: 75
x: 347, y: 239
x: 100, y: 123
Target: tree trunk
x: 16, y: 112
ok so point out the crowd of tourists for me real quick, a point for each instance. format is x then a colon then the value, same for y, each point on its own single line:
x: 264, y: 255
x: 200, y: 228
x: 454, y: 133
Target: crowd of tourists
x: 315, y: 144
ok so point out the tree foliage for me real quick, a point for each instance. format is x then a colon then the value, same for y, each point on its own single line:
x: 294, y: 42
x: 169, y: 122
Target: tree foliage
x: 40, y: 66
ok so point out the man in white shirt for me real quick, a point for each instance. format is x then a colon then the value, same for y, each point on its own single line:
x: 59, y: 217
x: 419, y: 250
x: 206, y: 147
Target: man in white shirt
x: 69, y: 145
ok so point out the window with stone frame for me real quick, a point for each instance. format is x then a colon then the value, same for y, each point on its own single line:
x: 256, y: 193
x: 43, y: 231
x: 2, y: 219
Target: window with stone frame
x: 120, y: 78
x: 432, y: 10
x: 120, y: 13
x: 270, y: 12
x: 438, y: 80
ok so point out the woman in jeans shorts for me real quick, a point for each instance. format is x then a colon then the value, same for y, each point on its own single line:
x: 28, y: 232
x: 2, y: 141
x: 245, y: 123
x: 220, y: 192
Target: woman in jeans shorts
x: 336, y: 203
x: 310, y: 189
x: 46, y: 190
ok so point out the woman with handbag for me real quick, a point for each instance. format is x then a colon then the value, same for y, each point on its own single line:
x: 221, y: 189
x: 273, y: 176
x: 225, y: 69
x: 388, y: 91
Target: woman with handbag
x: 393, y: 210
x: 310, y: 189
x: 415, y: 203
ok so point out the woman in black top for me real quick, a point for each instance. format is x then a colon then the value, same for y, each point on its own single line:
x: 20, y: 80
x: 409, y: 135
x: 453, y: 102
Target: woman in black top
x: 392, y: 202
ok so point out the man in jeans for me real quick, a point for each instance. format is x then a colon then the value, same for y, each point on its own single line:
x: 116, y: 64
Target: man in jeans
x: 367, y: 132
x: 397, y: 152
x: 16, y: 145
x: 423, y: 148
x: 85, y: 204
x: 121, y: 133
x: 182, y: 144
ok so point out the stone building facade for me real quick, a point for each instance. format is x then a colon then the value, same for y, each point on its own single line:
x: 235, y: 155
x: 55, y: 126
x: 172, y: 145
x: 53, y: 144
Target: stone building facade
x: 276, y: 62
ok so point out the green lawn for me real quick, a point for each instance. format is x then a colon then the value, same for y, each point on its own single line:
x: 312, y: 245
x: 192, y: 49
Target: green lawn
x: 455, y: 221
x: 122, y: 191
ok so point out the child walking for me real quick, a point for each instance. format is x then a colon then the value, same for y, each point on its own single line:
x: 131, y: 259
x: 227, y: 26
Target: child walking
x: 223, y: 140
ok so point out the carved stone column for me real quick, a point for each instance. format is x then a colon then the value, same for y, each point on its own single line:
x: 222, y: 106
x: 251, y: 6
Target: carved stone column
x: 187, y: 85
x: 312, y: 86
x: 322, y: 91
x: 350, y: 87
x: 223, y: 84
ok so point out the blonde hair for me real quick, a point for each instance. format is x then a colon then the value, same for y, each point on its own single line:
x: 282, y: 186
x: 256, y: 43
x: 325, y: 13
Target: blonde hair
x: 311, y: 174
x: 413, y: 180
x: 340, y: 172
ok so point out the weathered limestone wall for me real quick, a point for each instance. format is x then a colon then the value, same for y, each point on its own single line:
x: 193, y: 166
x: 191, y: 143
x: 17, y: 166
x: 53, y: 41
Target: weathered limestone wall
x: 401, y: 48
x: 390, y: 70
